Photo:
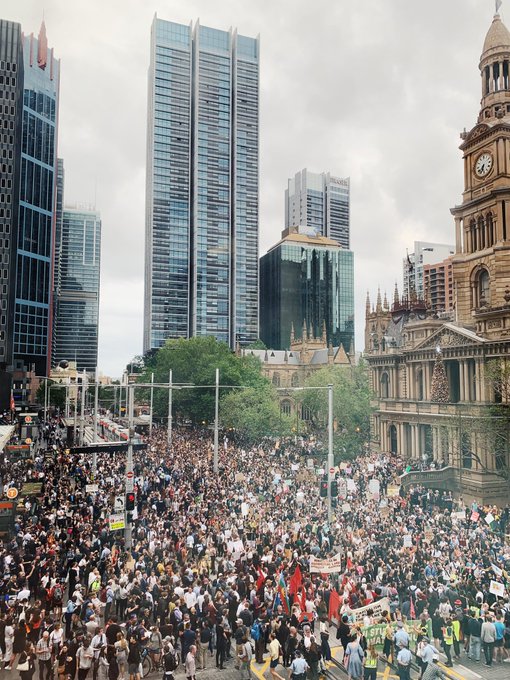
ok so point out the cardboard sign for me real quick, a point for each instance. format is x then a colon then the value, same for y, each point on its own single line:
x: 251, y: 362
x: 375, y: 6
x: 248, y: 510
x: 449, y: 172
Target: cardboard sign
x: 346, y: 507
x: 408, y: 541
x: 331, y: 565
x: 475, y: 516
x: 489, y: 518
x: 382, y: 605
x: 392, y: 490
x: 497, y: 589
x: 91, y: 488
x: 117, y: 521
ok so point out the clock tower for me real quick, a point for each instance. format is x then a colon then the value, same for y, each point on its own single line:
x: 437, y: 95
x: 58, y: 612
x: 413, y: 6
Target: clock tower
x: 481, y: 265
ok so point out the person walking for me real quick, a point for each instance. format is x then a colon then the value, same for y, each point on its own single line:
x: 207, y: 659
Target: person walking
x: 404, y: 657
x: 370, y: 663
x: 298, y: 667
x: 488, y: 637
x: 84, y: 659
x: 275, y: 651
x: 43, y: 652
x: 189, y: 664
x: 354, y: 656
x: 244, y: 657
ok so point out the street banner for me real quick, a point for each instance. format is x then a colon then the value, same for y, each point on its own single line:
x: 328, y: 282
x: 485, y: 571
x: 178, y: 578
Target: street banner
x: 375, y: 634
x: 331, y: 565
x: 382, y: 605
x: 497, y: 589
x: 117, y: 521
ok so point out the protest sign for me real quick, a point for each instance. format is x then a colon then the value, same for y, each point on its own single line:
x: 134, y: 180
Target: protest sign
x: 475, y: 516
x: 116, y: 521
x: 351, y: 485
x: 408, y: 541
x: 489, y: 518
x: 392, y: 490
x: 331, y: 565
x: 497, y: 589
x: 346, y: 507
x: 382, y: 605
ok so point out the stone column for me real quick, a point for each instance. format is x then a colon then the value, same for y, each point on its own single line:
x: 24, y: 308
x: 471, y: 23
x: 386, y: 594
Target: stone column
x: 426, y: 382
x: 458, y: 235
x: 434, y: 443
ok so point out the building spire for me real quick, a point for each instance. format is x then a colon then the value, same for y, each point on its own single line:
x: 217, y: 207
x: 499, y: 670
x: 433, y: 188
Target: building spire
x: 304, y: 337
x: 292, y: 333
x: 324, y: 332
x: 396, y: 299
x: 42, y: 46
x: 367, y: 304
x: 378, y: 305
x: 385, y: 303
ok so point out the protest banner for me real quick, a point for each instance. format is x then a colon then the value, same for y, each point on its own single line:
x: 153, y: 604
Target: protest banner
x: 382, y: 605
x: 375, y: 634
x: 331, y: 565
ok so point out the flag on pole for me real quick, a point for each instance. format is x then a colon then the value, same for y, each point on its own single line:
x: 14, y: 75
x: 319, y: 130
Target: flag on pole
x: 261, y: 578
x: 283, y: 594
x: 296, y: 581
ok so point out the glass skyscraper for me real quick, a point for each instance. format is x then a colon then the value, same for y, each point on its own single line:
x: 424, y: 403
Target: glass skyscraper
x: 306, y: 278
x: 77, y: 303
x: 36, y: 203
x: 201, y: 262
x: 319, y: 201
x: 11, y: 103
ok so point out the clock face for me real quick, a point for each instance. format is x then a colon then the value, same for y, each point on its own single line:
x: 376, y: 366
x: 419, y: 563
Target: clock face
x: 483, y: 164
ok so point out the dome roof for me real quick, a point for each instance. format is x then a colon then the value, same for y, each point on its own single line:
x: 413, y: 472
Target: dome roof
x: 497, y: 36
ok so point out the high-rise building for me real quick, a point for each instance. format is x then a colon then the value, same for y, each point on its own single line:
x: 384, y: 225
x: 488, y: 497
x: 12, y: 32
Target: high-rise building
x: 319, y: 201
x: 34, y: 261
x: 11, y: 102
x: 412, y: 265
x: 201, y: 243
x: 307, y: 278
x: 77, y: 304
x: 438, y: 285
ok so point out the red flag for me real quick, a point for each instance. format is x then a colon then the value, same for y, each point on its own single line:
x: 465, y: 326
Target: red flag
x: 349, y: 564
x: 412, y: 611
x: 296, y: 581
x: 334, y: 604
x: 261, y: 578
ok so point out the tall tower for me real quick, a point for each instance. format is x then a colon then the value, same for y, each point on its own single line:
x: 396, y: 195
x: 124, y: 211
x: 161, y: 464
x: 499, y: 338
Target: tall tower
x: 321, y: 202
x: 481, y: 264
x: 201, y: 241
x: 36, y: 236
x: 11, y: 105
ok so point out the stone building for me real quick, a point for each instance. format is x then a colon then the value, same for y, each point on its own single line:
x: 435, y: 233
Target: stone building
x: 291, y: 368
x: 467, y: 434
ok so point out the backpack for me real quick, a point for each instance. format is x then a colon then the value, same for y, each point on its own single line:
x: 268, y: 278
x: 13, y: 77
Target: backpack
x: 256, y: 631
x: 57, y: 594
x: 170, y: 661
x: 102, y: 595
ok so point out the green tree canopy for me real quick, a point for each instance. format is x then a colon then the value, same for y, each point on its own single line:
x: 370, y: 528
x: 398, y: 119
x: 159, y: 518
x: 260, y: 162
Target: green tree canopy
x: 351, y: 406
x: 255, y: 412
x: 194, y: 362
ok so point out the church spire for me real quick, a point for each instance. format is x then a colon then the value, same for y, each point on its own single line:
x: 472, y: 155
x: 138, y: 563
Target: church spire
x: 378, y: 305
x: 324, y: 333
x: 385, y: 303
x: 495, y: 71
x: 292, y: 333
x: 396, y: 299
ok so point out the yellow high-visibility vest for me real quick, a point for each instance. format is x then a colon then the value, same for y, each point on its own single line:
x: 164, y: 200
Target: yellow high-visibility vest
x: 371, y: 663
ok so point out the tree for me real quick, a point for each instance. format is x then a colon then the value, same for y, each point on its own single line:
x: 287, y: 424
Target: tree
x: 194, y: 362
x: 258, y: 344
x: 440, y: 391
x: 56, y: 395
x: 351, y: 406
x: 255, y: 412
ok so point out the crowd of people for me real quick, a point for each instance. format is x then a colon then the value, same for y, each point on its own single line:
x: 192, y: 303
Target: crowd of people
x: 219, y: 570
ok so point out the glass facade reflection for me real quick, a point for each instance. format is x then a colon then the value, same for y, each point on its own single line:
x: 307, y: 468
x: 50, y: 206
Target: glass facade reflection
x: 36, y: 203
x: 319, y: 201
x: 77, y: 304
x: 308, y: 279
x: 201, y: 263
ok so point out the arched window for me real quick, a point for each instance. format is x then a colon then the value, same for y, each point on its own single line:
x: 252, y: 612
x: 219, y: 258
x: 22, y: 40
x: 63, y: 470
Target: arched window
x: 276, y: 379
x: 481, y: 289
x: 385, y: 386
x: 286, y: 407
x: 306, y: 413
x: 294, y: 381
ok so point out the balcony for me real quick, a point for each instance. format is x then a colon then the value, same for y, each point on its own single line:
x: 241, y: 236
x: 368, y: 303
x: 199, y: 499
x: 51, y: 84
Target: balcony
x: 446, y: 479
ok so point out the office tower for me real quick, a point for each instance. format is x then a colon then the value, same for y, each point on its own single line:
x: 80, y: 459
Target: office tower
x: 438, y: 285
x: 424, y: 253
x: 36, y: 199
x: 11, y: 102
x: 77, y: 305
x: 306, y: 278
x: 319, y: 201
x: 201, y: 248
x: 59, y: 204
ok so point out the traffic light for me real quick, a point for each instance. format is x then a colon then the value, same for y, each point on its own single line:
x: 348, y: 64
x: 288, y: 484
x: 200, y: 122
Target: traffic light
x: 324, y: 488
x: 334, y: 489
x: 130, y: 501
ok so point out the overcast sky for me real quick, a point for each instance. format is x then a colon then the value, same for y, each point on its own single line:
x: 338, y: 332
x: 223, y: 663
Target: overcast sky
x: 377, y: 90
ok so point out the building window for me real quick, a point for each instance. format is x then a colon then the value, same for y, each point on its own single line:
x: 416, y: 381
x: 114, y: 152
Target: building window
x: 294, y: 381
x: 420, y: 394
x: 286, y: 407
x: 385, y: 386
x: 481, y: 289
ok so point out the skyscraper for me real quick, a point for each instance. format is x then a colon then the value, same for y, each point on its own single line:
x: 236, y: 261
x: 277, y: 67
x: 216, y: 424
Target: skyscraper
x: 36, y: 203
x: 306, y: 278
x: 320, y: 201
x: 201, y: 247
x: 77, y: 304
x: 413, y: 264
x: 11, y: 102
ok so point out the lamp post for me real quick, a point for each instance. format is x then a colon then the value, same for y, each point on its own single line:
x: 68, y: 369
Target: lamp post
x: 129, y: 464
x: 331, y: 459
x: 169, y: 425
x: 152, y: 401
x: 82, y: 410
x: 216, y: 423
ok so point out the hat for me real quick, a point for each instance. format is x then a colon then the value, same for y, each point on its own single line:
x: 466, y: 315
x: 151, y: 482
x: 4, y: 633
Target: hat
x: 457, y: 602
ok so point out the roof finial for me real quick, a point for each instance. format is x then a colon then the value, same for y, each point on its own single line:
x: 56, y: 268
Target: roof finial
x: 292, y: 333
x: 367, y: 303
x: 385, y: 303
x: 498, y: 5
x: 324, y: 332
x: 378, y: 305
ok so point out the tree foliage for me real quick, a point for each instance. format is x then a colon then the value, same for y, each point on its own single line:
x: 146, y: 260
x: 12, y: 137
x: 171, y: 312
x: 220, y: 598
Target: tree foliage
x: 255, y: 412
x: 194, y: 362
x: 56, y: 395
x: 351, y: 406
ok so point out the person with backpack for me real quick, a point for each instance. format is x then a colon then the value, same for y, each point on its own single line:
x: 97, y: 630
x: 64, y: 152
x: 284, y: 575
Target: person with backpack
x: 257, y: 633
x: 170, y: 662
x: 245, y: 655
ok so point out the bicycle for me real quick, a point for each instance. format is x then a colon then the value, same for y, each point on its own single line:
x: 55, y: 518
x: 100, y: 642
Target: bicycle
x: 148, y: 666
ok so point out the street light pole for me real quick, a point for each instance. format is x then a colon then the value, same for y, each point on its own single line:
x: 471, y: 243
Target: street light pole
x: 152, y: 400
x: 96, y: 436
x: 82, y: 411
x: 130, y: 485
x: 45, y: 398
x: 169, y: 426
x: 331, y: 460
x: 216, y: 417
